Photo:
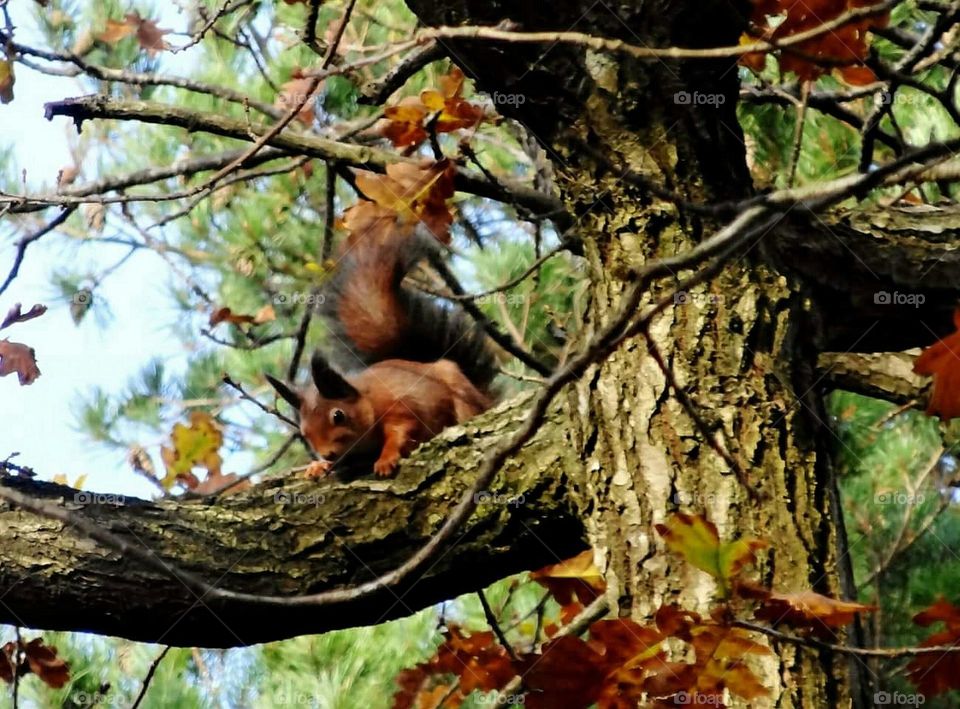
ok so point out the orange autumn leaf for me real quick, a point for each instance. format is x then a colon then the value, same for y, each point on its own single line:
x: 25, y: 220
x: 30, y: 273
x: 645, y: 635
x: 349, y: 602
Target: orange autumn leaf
x: 407, y: 195
x: 149, y: 36
x: 941, y: 360
x: 444, y: 109
x: 844, y: 47
x: 265, y: 314
x: 19, y: 358
x: 718, y: 666
x: 805, y: 609
x: 935, y: 673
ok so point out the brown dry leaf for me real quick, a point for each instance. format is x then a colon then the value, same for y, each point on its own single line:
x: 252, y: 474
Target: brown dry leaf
x: 406, y: 195
x: 14, y: 315
x: 94, y: 214
x: 7, y: 79
x: 117, y: 30
x: 45, y: 664
x: 19, y: 358
x: 265, y: 314
x: 804, y: 609
x: 572, y: 583
x: 294, y: 92
x: 149, y: 36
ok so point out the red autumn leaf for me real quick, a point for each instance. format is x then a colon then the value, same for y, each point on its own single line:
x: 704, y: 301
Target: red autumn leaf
x: 19, y: 358
x: 608, y: 670
x: 719, y: 652
x: 936, y: 673
x: 941, y: 360
x: 36, y: 658
x: 845, y: 45
x: 478, y: 661
x: 45, y: 664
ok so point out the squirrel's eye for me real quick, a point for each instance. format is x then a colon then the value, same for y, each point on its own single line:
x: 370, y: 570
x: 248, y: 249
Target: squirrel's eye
x: 338, y: 417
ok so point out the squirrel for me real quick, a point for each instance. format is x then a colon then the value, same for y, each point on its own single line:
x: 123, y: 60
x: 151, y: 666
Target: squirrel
x: 425, y: 366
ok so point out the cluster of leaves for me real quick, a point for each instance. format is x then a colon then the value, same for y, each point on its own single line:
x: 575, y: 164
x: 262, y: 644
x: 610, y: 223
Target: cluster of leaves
x: 680, y: 658
x: 845, y: 47
x: 19, y: 658
x: 441, y: 110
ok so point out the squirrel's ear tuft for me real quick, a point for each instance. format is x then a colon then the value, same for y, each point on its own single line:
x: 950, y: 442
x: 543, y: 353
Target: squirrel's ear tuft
x: 285, y: 391
x: 329, y: 382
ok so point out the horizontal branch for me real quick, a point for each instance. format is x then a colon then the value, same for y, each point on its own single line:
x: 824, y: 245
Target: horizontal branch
x: 361, y: 156
x: 883, y: 375
x: 289, y: 537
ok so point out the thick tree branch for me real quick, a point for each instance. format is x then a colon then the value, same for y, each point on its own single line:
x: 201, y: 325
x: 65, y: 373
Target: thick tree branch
x: 288, y: 537
x: 884, y: 375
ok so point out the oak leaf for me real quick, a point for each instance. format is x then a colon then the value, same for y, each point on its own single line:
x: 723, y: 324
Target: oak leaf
x: 697, y: 541
x: 941, y: 360
x: 19, y: 358
x: 936, y: 673
x: 196, y: 445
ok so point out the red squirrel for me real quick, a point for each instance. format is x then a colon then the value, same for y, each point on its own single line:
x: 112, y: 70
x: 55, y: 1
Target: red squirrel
x: 423, y: 366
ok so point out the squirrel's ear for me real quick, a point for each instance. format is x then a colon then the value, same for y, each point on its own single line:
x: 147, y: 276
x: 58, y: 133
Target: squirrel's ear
x: 285, y: 391
x: 329, y: 382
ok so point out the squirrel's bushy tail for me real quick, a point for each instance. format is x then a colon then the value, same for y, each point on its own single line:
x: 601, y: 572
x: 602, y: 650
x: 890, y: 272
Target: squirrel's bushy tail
x: 373, y: 318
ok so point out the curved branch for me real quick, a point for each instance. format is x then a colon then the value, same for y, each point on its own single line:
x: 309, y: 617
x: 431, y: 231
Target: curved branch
x: 289, y: 537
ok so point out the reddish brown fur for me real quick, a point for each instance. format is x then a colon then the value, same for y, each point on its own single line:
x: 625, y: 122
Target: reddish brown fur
x: 400, y: 405
x: 371, y: 315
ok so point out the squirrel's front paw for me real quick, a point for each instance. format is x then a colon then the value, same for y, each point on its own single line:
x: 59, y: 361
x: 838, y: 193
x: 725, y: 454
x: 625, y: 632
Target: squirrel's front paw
x: 384, y: 467
x: 318, y: 469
